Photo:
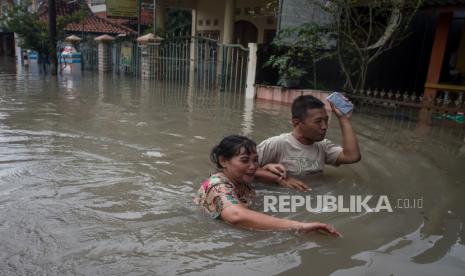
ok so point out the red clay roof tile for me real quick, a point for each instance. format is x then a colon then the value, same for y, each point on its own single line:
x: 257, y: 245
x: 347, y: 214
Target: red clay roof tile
x: 90, y: 24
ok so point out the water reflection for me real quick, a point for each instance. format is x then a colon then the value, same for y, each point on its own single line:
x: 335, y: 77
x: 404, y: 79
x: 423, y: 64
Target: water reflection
x: 97, y: 175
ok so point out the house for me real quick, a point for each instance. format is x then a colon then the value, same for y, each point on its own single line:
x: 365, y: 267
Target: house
x: 446, y: 69
x: 228, y: 21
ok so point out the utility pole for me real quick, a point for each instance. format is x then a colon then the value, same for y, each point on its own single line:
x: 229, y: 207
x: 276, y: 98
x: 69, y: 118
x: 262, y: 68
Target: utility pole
x: 154, y: 17
x: 138, y: 16
x: 52, y: 35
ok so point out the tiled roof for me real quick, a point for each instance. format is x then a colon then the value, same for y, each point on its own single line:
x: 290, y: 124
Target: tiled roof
x: 90, y: 24
x: 94, y: 24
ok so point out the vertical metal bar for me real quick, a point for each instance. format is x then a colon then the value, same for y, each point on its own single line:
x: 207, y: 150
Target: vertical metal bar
x: 153, y: 62
x: 162, y: 60
x: 241, y: 73
x: 228, y: 52
x: 186, y: 59
x: 224, y: 68
x: 167, y: 66
x: 157, y: 65
x: 165, y: 52
x: 178, y: 61
x: 233, y: 50
x: 182, y: 61
x: 209, y: 79
x: 236, y: 65
x: 204, y: 57
x: 172, y: 61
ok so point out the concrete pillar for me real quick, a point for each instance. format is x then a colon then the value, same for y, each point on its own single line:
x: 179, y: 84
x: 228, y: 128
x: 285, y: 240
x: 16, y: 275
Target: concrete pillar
x: 104, y: 53
x: 228, y: 28
x: 251, y: 71
x: 160, y: 10
x: 17, y: 49
x: 247, y: 117
x: 149, y: 52
x: 437, y: 54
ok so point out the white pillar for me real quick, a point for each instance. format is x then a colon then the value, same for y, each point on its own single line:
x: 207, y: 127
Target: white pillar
x: 251, y: 71
x: 194, y: 22
x: 228, y: 27
x: 247, y: 117
x: 104, y: 53
x: 18, y: 49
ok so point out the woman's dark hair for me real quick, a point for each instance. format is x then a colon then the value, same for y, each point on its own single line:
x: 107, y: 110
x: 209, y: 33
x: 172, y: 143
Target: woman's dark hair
x: 231, y: 146
x: 303, y: 103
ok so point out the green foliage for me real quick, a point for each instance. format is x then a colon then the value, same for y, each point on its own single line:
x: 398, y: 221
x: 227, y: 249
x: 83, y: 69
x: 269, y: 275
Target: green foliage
x: 358, y: 33
x: 33, y: 32
x: 178, y: 22
x: 297, y: 49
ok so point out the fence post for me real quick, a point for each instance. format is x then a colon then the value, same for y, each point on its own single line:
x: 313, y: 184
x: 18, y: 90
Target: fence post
x: 148, y: 54
x: 193, y: 59
x: 104, y: 52
x: 251, y: 71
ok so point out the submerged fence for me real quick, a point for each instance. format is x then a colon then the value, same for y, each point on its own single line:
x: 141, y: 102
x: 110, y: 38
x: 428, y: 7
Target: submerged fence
x: 446, y: 107
x: 446, y: 100
x: 182, y: 60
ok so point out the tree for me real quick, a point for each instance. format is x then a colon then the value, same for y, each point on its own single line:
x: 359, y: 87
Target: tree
x: 297, y: 50
x: 178, y: 22
x: 357, y: 32
x: 32, y: 31
x: 364, y: 30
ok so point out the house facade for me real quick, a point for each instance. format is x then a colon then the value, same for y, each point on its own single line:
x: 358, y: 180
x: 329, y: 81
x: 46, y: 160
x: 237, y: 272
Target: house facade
x: 228, y: 21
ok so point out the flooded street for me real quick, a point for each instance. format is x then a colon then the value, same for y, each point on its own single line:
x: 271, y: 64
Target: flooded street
x: 97, y: 175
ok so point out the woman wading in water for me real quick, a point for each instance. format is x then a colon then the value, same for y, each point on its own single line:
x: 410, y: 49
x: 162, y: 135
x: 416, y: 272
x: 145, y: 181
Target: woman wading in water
x: 226, y: 194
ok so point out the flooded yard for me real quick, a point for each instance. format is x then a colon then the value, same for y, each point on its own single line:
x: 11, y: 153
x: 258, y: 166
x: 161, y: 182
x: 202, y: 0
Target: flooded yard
x: 97, y: 175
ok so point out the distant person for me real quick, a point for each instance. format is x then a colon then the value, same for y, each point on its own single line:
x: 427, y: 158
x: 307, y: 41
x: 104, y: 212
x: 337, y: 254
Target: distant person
x: 25, y: 59
x: 227, y: 194
x: 305, y: 151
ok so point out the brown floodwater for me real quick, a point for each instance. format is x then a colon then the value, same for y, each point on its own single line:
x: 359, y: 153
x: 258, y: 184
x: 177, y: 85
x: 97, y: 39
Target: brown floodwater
x: 97, y: 173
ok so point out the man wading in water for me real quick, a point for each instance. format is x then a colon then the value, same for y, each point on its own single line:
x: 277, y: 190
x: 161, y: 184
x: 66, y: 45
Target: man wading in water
x: 305, y: 151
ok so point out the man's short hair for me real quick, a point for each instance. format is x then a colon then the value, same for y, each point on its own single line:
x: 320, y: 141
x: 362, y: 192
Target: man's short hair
x: 303, y: 103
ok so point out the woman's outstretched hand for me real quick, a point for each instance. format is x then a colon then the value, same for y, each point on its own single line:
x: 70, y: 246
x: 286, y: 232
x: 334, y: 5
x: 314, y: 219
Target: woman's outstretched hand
x: 323, y: 228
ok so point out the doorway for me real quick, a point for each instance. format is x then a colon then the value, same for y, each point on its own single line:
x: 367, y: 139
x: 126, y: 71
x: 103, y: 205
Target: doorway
x: 245, y: 32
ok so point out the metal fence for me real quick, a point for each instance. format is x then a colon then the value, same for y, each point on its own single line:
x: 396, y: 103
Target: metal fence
x: 200, y: 61
x: 446, y: 107
x: 451, y: 101
x: 183, y: 60
x: 89, y: 55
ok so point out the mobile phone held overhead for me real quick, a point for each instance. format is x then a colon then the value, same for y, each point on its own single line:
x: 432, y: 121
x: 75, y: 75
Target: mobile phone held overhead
x: 340, y: 102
